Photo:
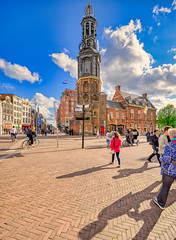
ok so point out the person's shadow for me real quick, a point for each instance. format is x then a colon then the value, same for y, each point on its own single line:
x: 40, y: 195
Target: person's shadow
x: 130, y: 205
x: 123, y: 172
x: 129, y: 171
x: 86, y: 171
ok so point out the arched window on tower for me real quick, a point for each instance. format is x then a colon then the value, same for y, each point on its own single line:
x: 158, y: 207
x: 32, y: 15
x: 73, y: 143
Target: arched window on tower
x: 87, y: 66
x: 83, y: 32
x: 92, y: 29
x: 85, y: 87
x: 87, y: 28
x: 85, y: 98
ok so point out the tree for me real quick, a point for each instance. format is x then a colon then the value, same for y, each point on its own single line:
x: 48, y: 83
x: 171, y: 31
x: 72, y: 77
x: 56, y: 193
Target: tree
x: 166, y: 116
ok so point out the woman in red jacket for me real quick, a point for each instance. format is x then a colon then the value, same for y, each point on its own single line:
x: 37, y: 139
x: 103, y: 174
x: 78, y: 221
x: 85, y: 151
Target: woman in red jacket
x: 115, y: 145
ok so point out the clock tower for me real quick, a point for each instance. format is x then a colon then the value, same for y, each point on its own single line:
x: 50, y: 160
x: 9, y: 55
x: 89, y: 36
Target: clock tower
x: 88, y: 85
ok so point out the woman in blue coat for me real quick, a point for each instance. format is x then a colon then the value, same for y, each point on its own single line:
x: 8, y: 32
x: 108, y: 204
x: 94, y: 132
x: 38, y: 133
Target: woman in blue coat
x: 168, y: 169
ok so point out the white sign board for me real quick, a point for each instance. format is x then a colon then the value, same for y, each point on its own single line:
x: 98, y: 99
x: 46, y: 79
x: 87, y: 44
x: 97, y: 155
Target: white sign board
x: 79, y: 106
x: 78, y: 109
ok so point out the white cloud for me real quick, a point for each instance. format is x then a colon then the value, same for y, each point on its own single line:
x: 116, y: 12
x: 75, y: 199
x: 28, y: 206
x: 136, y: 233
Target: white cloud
x: 45, y: 105
x: 161, y: 102
x: 18, y: 72
x: 155, y: 39
x: 150, y: 30
x: 172, y: 50
x: 66, y: 63
x: 124, y: 57
x: 7, y: 86
x: 174, y: 5
x: 157, y: 10
x: 66, y: 50
x: 126, y: 63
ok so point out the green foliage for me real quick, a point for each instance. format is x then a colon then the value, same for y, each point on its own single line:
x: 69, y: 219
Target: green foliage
x: 166, y: 116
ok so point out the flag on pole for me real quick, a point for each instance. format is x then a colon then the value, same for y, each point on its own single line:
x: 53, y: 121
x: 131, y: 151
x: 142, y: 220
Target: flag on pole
x: 65, y: 82
x: 145, y: 109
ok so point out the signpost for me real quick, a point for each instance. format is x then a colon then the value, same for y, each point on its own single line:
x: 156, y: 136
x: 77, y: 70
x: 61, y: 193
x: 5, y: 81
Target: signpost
x: 39, y: 121
x: 81, y: 108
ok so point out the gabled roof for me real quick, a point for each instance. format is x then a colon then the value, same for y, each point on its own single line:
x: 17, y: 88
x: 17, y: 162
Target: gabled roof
x: 132, y: 99
x: 115, y: 105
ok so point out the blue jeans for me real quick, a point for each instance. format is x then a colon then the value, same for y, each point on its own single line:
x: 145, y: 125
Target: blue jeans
x: 108, y: 142
x: 117, y: 154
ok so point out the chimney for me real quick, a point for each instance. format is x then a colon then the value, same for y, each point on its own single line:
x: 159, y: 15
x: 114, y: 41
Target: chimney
x: 144, y: 95
x: 117, y: 88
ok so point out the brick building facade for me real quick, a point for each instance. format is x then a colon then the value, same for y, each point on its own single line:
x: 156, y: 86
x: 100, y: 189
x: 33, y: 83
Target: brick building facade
x: 135, y: 116
x: 66, y: 108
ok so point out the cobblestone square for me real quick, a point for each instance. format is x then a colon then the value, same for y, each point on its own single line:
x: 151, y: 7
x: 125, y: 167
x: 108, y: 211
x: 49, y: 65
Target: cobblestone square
x: 73, y: 193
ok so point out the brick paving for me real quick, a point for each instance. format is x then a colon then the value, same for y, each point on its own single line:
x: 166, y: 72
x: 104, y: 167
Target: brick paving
x: 73, y: 193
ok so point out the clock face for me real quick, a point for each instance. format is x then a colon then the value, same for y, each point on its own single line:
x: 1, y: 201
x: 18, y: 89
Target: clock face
x: 86, y: 41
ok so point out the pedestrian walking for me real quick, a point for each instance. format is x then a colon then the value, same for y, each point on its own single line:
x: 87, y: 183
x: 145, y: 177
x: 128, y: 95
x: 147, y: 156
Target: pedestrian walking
x: 13, y: 132
x: 115, y: 147
x: 168, y: 169
x: 99, y: 134
x: 163, y: 140
x: 108, y: 138
x: 155, y: 145
x: 148, y: 136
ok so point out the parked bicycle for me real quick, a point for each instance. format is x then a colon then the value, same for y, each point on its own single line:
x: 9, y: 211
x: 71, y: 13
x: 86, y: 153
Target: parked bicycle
x: 27, y: 143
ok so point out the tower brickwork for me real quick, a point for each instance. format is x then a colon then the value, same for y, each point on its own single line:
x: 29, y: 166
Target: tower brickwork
x: 88, y: 85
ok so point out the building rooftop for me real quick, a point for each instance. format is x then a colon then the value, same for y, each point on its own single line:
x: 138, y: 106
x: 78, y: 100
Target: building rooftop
x: 115, y: 105
x: 136, y: 100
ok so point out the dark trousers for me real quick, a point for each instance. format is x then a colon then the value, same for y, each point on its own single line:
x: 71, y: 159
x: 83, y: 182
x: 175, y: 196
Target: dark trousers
x: 166, y: 184
x: 155, y: 152
x: 31, y: 140
x: 117, y: 155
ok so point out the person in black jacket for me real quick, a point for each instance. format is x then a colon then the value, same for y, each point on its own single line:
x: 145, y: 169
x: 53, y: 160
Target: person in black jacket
x: 155, y: 146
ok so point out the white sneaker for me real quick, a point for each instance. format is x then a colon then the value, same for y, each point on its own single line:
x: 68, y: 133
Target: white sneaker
x: 157, y: 203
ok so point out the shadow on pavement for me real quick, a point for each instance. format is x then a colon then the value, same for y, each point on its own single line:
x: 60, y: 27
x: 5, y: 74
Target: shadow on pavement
x: 16, y: 155
x: 130, y: 205
x: 11, y: 149
x: 95, y: 147
x: 129, y: 171
x: 87, y: 171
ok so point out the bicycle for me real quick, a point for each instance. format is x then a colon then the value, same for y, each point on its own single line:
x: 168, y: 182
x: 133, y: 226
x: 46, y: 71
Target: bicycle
x: 27, y: 143
x: 126, y: 142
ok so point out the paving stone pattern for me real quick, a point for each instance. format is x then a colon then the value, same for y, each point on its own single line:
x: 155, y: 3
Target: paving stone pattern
x: 73, y: 193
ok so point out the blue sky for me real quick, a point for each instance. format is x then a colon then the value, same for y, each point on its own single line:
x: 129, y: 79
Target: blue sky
x: 138, y: 35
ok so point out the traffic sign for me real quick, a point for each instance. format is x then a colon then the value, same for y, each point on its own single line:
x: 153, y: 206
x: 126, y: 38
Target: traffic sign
x: 39, y: 121
x: 86, y: 106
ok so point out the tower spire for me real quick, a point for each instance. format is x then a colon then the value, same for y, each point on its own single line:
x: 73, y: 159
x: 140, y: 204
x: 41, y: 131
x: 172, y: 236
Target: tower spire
x: 89, y: 11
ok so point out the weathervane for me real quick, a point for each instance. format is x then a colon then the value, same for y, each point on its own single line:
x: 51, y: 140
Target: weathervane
x: 89, y: 11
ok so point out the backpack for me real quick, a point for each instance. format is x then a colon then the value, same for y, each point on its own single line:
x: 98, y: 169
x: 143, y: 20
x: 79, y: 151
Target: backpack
x: 151, y: 140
